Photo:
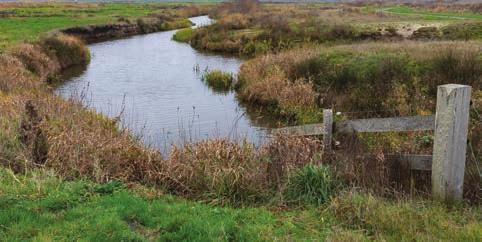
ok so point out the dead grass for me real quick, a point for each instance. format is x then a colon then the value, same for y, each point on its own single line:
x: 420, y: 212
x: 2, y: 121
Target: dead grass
x: 14, y: 76
x: 35, y: 59
x: 41, y: 129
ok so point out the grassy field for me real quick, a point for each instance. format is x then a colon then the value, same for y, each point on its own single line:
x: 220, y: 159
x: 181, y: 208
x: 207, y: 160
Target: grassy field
x: 430, y: 15
x: 41, y: 207
x: 29, y: 22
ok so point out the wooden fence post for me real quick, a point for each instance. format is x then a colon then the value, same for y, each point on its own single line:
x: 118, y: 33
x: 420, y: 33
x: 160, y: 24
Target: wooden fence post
x: 450, y: 142
x: 327, y: 129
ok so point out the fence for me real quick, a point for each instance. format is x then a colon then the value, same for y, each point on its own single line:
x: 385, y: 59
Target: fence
x: 450, y: 125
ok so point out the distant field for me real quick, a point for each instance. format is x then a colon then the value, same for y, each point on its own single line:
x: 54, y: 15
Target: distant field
x: 30, y: 22
x: 428, y: 15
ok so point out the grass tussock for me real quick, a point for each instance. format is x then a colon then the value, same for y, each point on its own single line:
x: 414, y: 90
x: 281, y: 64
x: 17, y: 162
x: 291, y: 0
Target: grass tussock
x: 218, y: 80
x: 14, y: 76
x: 36, y: 60
x: 313, y: 184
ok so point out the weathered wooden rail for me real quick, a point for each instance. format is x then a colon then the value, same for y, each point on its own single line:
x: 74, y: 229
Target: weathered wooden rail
x: 450, y: 125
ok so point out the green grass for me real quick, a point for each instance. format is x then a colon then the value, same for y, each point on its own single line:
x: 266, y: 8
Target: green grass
x: 29, y: 23
x: 183, y: 35
x: 41, y: 207
x: 312, y: 184
x: 428, y: 15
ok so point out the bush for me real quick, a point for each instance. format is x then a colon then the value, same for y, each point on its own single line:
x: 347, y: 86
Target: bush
x: 312, y: 184
x: 218, y: 80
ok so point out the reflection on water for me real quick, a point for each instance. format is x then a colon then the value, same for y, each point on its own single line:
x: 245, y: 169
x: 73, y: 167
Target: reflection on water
x: 152, y: 83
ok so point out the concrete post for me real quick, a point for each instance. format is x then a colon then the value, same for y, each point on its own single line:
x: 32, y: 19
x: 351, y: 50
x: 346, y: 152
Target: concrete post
x: 328, y: 129
x: 450, y: 143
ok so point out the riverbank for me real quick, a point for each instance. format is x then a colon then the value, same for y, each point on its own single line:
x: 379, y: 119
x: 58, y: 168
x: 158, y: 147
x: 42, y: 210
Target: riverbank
x: 42, y: 129
x: 360, y: 62
x: 31, y: 21
x: 99, y: 196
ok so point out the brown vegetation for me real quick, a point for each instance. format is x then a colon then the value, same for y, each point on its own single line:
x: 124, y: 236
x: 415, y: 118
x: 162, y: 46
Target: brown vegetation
x: 364, y: 81
x: 261, y: 29
x: 41, y: 129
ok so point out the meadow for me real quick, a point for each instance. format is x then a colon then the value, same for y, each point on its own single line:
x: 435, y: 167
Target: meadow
x: 32, y: 21
x: 70, y: 173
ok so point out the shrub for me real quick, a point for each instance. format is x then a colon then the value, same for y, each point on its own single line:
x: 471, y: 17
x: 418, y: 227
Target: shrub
x: 218, y: 80
x: 312, y: 184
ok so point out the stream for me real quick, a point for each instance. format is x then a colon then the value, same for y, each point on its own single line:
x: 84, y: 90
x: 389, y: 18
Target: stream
x: 152, y: 84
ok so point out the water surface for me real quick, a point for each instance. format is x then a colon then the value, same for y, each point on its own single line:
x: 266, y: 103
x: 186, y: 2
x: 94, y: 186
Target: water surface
x: 151, y: 82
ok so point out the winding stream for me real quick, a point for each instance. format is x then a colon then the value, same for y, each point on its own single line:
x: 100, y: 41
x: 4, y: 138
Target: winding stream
x: 151, y: 83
